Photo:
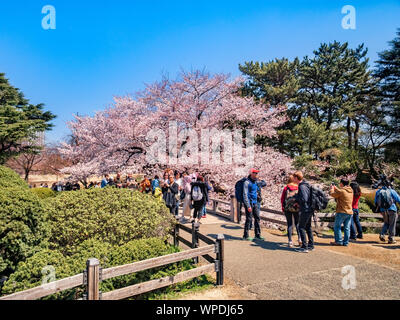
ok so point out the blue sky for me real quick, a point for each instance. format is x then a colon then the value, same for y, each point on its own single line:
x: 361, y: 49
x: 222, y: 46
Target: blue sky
x: 105, y: 48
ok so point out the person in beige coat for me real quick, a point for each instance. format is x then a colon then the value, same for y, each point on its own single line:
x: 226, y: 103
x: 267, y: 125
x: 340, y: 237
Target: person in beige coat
x: 344, y: 212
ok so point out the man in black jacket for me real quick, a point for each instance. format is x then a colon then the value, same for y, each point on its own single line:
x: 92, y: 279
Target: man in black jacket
x: 306, y: 213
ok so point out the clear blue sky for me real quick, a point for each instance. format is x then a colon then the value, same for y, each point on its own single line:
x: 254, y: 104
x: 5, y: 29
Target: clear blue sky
x: 105, y: 48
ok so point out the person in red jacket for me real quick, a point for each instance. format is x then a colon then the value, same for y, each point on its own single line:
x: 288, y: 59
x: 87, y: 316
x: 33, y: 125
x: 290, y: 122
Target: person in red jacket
x: 291, y: 209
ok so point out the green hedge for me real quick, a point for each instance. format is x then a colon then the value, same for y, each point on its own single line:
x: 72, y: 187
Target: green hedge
x: 22, y: 226
x: 30, y: 273
x: 115, y: 216
x: 44, y: 193
x: 10, y: 179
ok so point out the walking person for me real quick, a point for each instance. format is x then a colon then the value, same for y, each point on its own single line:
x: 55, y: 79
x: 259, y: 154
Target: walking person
x: 187, y: 188
x: 251, y: 205
x: 208, y: 189
x: 306, y: 212
x: 199, y: 196
x: 291, y: 209
x: 179, y: 182
x: 344, y: 212
x: 386, y: 199
x: 239, y: 197
x: 355, y: 228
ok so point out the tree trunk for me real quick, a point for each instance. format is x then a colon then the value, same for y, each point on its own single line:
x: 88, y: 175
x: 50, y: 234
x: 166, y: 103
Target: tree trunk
x: 356, y: 133
x: 349, y: 134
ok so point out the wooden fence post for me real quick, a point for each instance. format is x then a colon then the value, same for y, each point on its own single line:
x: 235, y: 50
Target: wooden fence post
x: 214, y: 209
x: 220, y: 259
x: 234, y: 209
x: 92, y: 279
x: 176, y: 234
x: 195, y: 239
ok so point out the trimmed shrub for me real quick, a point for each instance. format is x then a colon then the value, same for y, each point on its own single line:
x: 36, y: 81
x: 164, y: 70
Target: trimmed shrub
x: 22, y: 226
x: 115, y: 216
x: 10, y: 179
x: 44, y: 193
x: 30, y: 273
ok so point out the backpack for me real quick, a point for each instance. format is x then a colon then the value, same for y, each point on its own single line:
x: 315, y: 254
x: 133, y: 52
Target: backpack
x: 291, y: 204
x: 385, y: 199
x: 197, y: 195
x: 319, y: 200
x: 239, y: 190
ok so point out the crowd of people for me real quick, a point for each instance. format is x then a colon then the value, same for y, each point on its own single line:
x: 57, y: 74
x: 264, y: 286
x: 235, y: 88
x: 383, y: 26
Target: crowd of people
x: 58, y: 186
x: 191, y: 191
x: 300, y: 200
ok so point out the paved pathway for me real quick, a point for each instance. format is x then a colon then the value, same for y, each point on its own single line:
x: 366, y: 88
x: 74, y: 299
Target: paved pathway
x: 270, y: 270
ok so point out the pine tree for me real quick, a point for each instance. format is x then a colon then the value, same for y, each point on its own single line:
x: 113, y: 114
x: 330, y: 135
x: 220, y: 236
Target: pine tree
x: 20, y: 121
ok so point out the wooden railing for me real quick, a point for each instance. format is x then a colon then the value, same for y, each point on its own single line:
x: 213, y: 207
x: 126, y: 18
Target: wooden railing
x: 93, y: 274
x: 231, y: 212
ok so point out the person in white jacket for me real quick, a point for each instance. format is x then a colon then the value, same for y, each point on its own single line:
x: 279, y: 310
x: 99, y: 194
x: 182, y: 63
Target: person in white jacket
x: 187, y: 180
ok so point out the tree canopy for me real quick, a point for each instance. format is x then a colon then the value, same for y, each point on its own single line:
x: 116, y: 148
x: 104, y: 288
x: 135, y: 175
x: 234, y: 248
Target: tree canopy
x: 20, y: 121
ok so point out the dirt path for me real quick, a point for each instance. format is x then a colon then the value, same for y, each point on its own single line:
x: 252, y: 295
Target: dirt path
x: 270, y: 270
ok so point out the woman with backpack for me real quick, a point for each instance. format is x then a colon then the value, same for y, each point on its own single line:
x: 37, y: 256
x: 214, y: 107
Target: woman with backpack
x: 199, y: 196
x: 355, y: 228
x: 291, y: 209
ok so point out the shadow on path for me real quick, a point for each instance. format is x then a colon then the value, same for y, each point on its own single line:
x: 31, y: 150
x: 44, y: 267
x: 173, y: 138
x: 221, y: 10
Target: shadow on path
x: 268, y: 245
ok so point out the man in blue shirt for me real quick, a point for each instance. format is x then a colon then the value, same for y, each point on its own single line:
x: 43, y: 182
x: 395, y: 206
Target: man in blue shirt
x: 104, y: 182
x: 390, y: 213
x: 250, y: 189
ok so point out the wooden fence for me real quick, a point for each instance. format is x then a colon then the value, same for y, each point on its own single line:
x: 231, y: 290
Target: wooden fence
x: 94, y: 274
x: 231, y: 211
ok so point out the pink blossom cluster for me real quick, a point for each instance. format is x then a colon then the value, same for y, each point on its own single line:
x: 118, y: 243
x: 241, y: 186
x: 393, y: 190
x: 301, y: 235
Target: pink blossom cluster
x: 116, y: 139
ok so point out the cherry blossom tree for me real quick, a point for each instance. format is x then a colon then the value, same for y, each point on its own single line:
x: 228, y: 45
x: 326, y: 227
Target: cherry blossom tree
x: 197, y: 117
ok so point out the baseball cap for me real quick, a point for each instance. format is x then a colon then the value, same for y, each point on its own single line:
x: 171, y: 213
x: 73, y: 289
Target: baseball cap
x: 254, y: 171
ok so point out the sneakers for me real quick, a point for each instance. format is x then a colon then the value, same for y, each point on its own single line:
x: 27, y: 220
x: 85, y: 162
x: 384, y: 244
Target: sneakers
x: 290, y: 244
x: 382, y: 238
x: 336, y: 244
x: 301, y: 250
x: 248, y: 238
x: 392, y: 241
x: 300, y: 243
x: 260, y: 238
x: 311, y: 249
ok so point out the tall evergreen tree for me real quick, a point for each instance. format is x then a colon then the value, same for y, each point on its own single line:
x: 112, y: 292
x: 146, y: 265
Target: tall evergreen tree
x: 388, y: 74
x: 20, y: 121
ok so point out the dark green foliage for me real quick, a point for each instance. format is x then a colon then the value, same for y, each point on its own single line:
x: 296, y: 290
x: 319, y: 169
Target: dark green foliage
x: 30, y: 273
x: 22, y: 226
x: 115, y: 216
x: 19, y: 121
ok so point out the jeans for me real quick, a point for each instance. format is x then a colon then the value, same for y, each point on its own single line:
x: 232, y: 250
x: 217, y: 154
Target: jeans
x: 389, y: 224
x: 172, y: 209
x: 255, y: 213
x: 305, y: 229
x: 345, y: 220
x: 289, y: 219
x: 356, y: 229
x: 177, y: 208
x: 198, y: 212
